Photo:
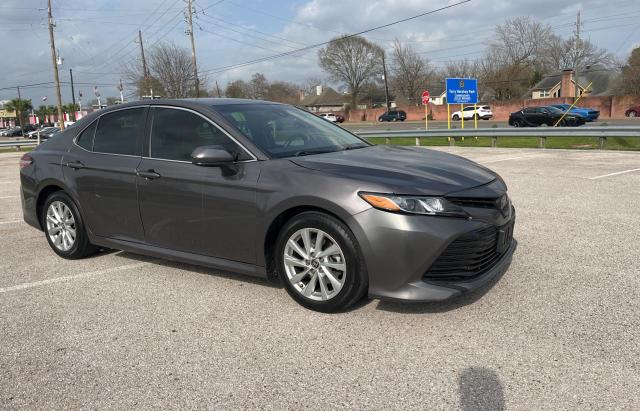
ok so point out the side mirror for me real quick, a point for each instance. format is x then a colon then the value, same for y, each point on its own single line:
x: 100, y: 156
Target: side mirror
x: 211, y: 156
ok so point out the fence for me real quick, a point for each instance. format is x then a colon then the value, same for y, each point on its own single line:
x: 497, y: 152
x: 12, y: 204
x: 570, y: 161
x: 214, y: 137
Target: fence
x: 542, y: 133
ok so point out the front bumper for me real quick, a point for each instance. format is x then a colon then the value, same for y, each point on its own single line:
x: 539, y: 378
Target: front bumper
x: 399, y: 249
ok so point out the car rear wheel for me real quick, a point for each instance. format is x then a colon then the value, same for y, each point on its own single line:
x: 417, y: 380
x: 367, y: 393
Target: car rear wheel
x: 319, y: 262
x: 64, y: 227
x: 633, y: 114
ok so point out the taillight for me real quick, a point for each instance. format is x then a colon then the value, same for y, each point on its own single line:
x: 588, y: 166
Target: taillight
x: 25, y: 161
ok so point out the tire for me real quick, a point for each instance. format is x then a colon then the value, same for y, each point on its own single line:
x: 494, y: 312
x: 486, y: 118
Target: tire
x: 518, y: 123
x: 60, y: 204
x: 315, y: 289
x: 632, y: 113
x: 476, y: 117
x: 455, y: 117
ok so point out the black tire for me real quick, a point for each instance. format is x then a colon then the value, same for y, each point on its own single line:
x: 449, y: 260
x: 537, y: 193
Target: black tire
x: 632, y: 113
x: 356, y: 280
x: 518, y: 123
x: 476, y: 117
x: 456, y: 117
x: 81, y: 247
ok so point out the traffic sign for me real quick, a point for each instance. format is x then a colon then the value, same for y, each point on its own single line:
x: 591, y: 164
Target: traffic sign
x: 462, y: 91
x: 425, y: 97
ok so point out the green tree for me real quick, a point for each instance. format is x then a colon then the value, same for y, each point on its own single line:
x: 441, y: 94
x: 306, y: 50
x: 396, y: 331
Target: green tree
x: 43, y: 112
x: 21, y: 107
x: 71, y: 109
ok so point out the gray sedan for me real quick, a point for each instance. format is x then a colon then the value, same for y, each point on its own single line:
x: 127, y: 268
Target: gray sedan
x: 269, y: 190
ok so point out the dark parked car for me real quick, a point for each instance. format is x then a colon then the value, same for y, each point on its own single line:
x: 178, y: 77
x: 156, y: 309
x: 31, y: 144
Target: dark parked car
x: 589, y: 114
x: 13, y: 132
x: 633, y: 112
x: 544, y: 116
x: 48, y: 133
x: 393, y: 115
x: 266, y: 189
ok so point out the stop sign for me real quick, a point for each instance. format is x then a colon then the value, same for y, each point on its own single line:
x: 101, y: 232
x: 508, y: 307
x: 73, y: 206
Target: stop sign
x: 425, y: 97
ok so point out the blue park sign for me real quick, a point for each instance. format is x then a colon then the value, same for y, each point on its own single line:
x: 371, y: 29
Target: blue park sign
x: 462, y: 91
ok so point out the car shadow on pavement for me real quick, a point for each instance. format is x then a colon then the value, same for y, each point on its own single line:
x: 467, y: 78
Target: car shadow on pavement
x: 269, y: 282
x: 408, y: 307
x: 480, y: 389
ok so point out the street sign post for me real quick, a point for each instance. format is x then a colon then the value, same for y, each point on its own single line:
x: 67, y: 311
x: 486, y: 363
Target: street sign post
x: 425, y: 103
x: 461, y: 91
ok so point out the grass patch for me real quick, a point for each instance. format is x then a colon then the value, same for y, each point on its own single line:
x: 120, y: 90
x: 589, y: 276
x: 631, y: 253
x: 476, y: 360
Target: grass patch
x: 579, y: 143
x: 13, y: 149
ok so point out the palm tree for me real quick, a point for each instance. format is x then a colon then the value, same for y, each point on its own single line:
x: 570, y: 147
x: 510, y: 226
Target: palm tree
x: 71, y: 108
x: 43, y: 112
x: 20, y: 106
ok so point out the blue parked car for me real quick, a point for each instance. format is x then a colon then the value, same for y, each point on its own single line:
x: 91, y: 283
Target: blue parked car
x: 589, y: 114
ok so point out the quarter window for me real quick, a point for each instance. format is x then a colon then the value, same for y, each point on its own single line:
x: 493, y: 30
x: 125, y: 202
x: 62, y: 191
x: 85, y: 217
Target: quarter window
x: 176, y: 133
x: 85, y: 139
x: 119, y: 132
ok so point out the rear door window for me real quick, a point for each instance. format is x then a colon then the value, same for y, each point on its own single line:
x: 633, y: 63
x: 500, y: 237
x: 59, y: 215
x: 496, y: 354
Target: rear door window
x: 120, y: 132
x: 85, y: 139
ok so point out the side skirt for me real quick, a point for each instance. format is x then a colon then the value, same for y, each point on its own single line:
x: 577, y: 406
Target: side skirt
x: 181, y: 256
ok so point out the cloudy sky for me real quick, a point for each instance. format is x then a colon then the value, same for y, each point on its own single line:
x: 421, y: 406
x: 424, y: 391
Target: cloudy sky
x: 96, y: 38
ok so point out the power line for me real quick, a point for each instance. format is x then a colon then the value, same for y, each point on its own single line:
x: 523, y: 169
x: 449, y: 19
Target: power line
x: 260, y: 60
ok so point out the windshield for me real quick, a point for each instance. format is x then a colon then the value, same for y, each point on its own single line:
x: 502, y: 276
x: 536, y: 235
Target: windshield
x: 285, y: 131
x: 554, y: 110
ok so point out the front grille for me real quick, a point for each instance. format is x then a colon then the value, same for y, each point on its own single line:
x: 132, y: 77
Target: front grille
x: 472, y: 254
x: 503, y: 204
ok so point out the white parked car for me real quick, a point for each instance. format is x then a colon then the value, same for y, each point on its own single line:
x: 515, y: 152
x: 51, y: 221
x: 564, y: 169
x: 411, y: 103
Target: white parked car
x: 329, y: 116
x: 483, y: 112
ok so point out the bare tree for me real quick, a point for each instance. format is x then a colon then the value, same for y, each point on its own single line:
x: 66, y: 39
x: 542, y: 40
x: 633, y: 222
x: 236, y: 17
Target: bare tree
x: 173, y: 67
x: 257, y: 87
x: 283, y: 92
x: 563, y: 53
x: 410, y: 72
x: 630, y: 79
x: 351, y: 60
x: 236, y: 89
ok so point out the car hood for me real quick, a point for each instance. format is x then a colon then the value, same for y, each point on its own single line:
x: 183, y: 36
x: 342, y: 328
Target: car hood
x: 402, y: 170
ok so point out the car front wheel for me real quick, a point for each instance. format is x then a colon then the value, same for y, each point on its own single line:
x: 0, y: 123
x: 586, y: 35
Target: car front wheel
x: 633, y: 114
x: 64, y: 227
x: 319, y: 262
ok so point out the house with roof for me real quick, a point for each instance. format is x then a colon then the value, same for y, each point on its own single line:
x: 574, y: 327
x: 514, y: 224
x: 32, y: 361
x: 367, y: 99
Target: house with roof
x: 323, y: 100
x: 592, y: 81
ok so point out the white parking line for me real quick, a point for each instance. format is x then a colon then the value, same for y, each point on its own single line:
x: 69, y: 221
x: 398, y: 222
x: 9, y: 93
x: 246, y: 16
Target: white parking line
x: 502, y: 159
x: 72, y: 277
x: 615, y: 174
x: 11, y: 222
x: 2, y: 198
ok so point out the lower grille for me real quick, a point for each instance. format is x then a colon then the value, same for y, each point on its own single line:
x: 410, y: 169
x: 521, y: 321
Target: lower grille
x: 471, y: 254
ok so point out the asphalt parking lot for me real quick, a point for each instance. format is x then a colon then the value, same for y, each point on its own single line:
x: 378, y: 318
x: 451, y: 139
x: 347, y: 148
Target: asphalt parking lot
x: 559, y: 330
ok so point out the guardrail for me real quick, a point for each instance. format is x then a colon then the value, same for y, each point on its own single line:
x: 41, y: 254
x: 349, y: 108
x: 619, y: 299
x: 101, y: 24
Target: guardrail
x: 601, y: 132
x: 17, y: 144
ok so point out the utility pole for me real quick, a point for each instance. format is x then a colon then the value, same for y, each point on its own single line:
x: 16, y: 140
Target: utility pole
x: 19, y: 111
x: 145, y: 72
x: 193, y: 47
x: 54, y: 61
x: 386, y: 86
x: 578, y: 53
x: 73, y: 92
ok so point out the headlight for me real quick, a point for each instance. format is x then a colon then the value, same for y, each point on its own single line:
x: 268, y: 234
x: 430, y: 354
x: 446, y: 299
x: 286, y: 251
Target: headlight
x: 413, y: 204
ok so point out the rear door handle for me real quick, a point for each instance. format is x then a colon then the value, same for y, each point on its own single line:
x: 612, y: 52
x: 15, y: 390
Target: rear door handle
x: 148, y: 174
x: 75, y: 165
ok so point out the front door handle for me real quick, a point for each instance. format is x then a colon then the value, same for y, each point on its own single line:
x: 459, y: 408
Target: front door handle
x: 76, y: 165
x: 148, y: 174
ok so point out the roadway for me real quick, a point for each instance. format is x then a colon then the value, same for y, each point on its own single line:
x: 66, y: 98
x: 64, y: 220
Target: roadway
x: 559, y: 330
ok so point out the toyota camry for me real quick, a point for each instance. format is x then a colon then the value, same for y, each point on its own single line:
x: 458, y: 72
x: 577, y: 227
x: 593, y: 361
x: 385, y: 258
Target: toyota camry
x: 269, y: 190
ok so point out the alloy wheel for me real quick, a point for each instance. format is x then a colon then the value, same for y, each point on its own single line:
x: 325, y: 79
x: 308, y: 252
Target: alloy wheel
x: 61, y: 226
x: 314, y: 264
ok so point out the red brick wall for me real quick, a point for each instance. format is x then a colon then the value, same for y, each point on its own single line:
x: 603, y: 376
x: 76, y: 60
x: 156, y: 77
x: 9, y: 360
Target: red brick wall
x: 610, y: 107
